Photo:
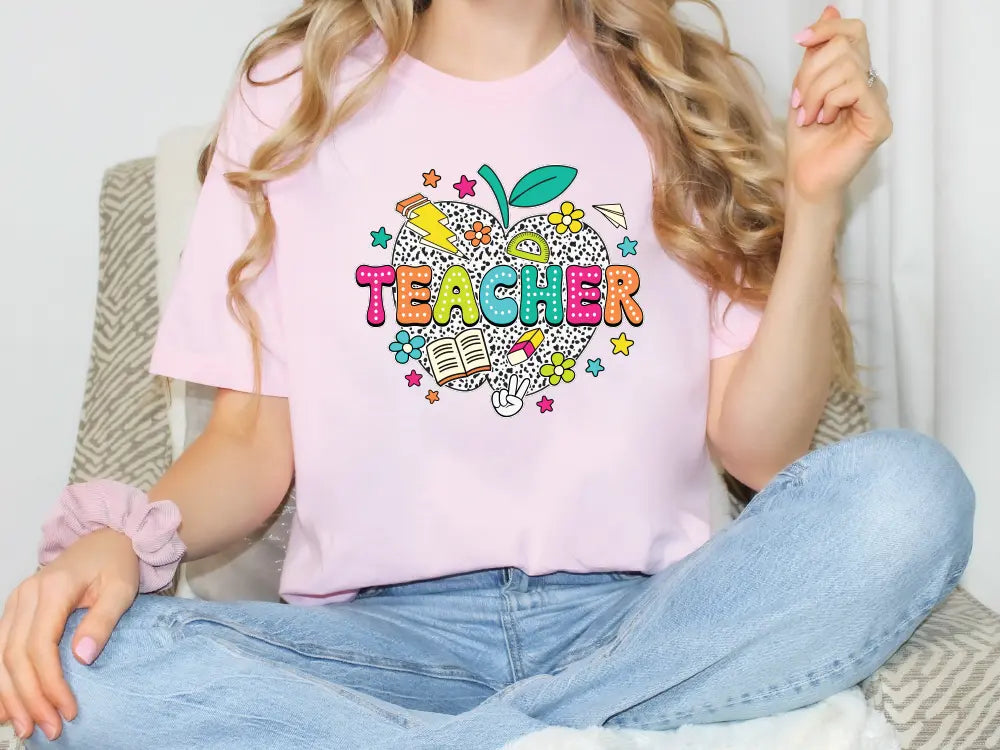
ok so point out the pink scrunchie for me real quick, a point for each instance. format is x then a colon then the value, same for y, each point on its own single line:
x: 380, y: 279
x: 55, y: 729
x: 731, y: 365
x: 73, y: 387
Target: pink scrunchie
x: 104, y: 503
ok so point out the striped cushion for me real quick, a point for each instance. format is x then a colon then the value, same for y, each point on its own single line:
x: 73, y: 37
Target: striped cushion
x: 941, y: 689
x: 123, y: 430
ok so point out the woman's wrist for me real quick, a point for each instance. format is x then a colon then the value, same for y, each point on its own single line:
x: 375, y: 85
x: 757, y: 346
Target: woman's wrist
x: 152, y: 527
x: 825, y: 210
x: 812, y: 223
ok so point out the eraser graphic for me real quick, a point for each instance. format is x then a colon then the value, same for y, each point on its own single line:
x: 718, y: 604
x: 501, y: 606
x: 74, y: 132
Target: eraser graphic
x: 526, y: 346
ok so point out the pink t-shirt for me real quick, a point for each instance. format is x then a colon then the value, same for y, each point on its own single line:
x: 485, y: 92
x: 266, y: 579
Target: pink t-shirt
x: 489, y: 359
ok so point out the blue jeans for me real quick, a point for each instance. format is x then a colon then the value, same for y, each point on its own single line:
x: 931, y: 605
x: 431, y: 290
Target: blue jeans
x: 823, y: 576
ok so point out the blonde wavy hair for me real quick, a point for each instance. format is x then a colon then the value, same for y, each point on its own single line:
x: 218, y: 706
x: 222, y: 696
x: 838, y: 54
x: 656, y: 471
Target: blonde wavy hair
x: 712, y: 143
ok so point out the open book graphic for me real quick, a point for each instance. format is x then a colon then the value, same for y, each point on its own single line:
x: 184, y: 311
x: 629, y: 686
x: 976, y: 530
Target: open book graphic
x: 453, y: 358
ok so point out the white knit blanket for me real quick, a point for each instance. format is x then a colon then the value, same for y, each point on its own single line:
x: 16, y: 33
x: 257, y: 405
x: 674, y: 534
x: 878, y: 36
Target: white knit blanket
x: 841, y: 722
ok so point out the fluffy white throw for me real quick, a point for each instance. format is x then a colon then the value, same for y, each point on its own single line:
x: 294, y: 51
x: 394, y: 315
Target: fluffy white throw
x: 841, y: 722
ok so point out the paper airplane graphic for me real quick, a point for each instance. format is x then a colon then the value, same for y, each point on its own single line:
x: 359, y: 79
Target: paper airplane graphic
x: 614, y: 213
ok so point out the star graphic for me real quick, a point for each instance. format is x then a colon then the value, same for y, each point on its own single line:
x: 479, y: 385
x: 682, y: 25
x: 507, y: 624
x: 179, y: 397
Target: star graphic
x: 432, y: 396
x: 628, y: 246
x: 431, y: 178
x: 594, y: 367
x: 465, y: 187
x: 413, y: 378
x: 621, y: 345
x: 545, y: 404
x: 381, y: 238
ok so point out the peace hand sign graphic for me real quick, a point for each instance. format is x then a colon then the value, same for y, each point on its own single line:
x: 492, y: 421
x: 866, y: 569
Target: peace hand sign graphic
x: 508, y: 401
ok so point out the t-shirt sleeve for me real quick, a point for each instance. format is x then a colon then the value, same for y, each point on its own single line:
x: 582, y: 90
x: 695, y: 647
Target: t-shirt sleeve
x: 198, y: 339
x: 733, y: 331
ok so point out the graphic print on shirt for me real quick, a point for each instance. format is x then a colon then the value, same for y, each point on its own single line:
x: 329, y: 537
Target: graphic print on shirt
x: 481, y: 301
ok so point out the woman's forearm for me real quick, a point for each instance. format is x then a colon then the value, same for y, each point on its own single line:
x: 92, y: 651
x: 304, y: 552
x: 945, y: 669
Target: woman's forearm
x: 233, y: 476
x: 777, y: 391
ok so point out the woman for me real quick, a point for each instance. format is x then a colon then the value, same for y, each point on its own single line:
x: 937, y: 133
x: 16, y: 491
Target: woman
x: 464, y: 267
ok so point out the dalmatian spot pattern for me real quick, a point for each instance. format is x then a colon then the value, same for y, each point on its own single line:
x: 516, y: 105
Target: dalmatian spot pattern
x: 583, y: 248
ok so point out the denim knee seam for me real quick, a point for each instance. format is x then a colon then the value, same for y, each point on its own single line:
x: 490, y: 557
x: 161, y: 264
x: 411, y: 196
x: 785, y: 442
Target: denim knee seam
x: 840, y: 665
x: 187, y: 705
x: 837, y: 666
x: 311, y: 651
x: 400, y: 717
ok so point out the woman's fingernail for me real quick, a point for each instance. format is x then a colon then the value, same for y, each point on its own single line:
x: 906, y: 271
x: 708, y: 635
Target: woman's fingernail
x: 804, y: 36
x: 50, y: 731
x: 21, y: 729
x: 819, y: 117
x: 796, y: 99
x: 86, y: 650
x: 801, y: 119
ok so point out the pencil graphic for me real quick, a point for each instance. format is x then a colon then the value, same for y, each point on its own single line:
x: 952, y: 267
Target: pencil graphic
x: 429, y: 222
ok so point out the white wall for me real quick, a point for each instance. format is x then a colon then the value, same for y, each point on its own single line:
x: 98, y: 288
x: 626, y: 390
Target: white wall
x: 95, y: 83
x: 967, y: 245
x: 83, y: 85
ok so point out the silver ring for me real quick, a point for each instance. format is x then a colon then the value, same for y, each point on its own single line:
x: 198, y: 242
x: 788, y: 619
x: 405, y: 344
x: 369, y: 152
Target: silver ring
x: 872, y: 76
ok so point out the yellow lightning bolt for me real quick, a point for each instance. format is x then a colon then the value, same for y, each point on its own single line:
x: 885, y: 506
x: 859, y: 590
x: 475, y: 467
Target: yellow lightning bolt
x: 429, y: 222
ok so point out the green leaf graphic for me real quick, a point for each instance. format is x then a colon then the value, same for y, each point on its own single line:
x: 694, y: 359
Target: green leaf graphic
x: 487, y: 173
x: 542, y: 185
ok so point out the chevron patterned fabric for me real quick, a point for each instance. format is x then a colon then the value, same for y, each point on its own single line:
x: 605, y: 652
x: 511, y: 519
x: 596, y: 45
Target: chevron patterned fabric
x: 941, y: 689
x: 845, y: 414
x: 124, y: 432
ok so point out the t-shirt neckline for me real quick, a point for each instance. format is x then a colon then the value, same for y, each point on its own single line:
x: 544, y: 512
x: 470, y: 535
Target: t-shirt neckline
x: 543, y: 74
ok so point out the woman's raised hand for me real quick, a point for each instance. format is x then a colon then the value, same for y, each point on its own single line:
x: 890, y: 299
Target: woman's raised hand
x: 99, y: 571
x: 836, y: 119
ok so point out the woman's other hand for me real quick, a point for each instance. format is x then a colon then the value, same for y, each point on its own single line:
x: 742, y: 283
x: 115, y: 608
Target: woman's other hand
x: 99, y: 571
x: 836, y: 121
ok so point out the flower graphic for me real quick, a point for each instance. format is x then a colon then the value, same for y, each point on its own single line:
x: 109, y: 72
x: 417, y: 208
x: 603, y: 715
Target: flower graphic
x: 561, y: 368
x: 567, y: 217
x: 407, y: 348
x: 479, y: 234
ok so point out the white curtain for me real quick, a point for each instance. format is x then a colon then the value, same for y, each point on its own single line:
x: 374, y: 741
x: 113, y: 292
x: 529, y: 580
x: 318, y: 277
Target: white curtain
x: 920, y: 253
x: 888, y: 255
x: 921, y: 246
